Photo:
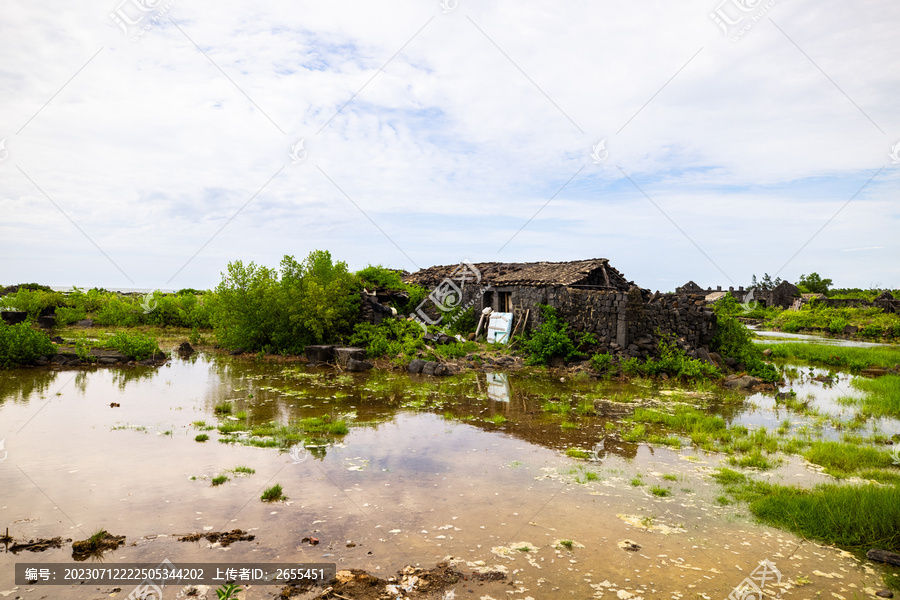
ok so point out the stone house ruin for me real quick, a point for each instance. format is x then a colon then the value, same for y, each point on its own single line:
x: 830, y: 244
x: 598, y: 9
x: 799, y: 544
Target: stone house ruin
x: 782, y: 295
x: 591, y: 295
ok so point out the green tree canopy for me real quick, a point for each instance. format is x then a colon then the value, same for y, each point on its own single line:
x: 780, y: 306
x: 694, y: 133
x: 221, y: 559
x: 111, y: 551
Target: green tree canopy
x: 814, y: 284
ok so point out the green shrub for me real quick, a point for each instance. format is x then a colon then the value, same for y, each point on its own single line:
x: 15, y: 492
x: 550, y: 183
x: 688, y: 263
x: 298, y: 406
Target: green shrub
x: 118, y: 311
x: 601, y: 362
x: 258, y: 309
x: 734, y: 340
x: 394, y: 338
x: 551, y: 340
x: 22, y: 345
x: 66, y: 315
x: 136, y: 346
x: 33, y: 301
x: 674, y: 362
x: 460, y: 321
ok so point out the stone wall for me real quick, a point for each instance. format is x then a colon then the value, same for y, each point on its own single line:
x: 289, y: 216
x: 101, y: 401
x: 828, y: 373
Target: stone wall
x: 633, y: 322
x: 627, y: 322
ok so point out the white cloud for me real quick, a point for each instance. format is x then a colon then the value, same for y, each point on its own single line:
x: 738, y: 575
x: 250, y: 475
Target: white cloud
x: 449, y: 148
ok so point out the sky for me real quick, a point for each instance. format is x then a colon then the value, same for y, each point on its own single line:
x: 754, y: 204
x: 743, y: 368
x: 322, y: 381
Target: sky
x: 148, y: 143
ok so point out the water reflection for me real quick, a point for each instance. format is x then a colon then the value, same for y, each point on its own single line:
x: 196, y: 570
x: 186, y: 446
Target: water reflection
x: 19, y: 385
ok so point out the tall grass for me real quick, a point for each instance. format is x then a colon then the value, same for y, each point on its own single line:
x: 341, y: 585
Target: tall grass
x: 853, y: 517
x: 841, y: 459
x: 851, y: 358
x: 882, y: 395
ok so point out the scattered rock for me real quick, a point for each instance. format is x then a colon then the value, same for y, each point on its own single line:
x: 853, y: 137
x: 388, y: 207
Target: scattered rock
x: 84, y: 323
x: 114, y: 405
x: 416, y: 366
x: 236, y: 351
x: 38, y: 545
x: 358, y: 365
x: 767, y: 352
x: 310, y: 540
x: 185, y: 349
x: 884, y: 594
x: 884, y: 556
x: 13, y: 317
x: 629, y: 546
x: 743, y: 383
x: 84, y: 549
x: 225, y: 539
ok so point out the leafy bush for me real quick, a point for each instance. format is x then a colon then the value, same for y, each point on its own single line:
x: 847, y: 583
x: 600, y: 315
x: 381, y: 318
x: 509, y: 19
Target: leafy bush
x: 66, y: 315
x: 734, y: 340
x: 33, y: 301
x: 312, y: 302
x: 134, y: 345
x: 601, y: 362
x: 674, y: 362
x: 395, y: 338
x: 380, y: 277
x: 376, y: 276
x: 460, y: 321
x: 22, y: 345
x: 552, y: 339
x: 119, y: 311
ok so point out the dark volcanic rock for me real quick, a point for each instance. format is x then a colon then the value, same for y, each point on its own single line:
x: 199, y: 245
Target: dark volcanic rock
x: 343, y: 355
x: 358, y: 365
x: 12, y: 317
x: 416, y: 366
x: 319, y: 354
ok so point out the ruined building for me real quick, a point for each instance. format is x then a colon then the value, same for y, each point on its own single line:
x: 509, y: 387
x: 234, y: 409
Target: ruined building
x: 591, y: 295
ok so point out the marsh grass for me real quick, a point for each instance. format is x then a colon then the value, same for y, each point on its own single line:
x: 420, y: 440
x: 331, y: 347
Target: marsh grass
x: 201, y: 438
x: 223, y: 408
x: 94, y: 541
x: 660, y: 491
x: 311, y: 430
x: 882, y: 395
x: 841, y: 459
x: 218, y: 480
x: 556, y: 408
x: 578, y: 453
x: 845, y: 357
x: 244, y: 470
x: 273, y: 494
x: 855, y: 517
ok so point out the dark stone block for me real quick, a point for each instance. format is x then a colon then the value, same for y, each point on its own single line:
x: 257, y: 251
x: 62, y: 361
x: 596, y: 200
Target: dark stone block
x: 343, y: 355
x: 13, y: 317
x: 416, y: 366
x: 429, y: 368
x: 358, y: 365
x: 318, y: 354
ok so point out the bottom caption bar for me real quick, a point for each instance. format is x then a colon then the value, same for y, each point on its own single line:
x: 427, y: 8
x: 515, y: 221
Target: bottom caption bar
x: 168, y: 573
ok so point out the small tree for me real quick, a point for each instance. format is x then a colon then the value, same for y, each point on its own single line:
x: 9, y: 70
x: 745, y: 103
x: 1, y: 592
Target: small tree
x: 814, y: 284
